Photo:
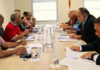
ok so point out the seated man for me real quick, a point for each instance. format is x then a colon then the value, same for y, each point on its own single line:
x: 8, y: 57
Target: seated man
x: 28, y: 23
x: 73, y: 21
x: 12, y: 30
x: 76, y: 27
x: 22, y: 24
x: 24, y: 15
x: 28, y: 17
x: 87, y: 32
x: 6, y: 53
x: 64, y: 25
x: 95, y: 46
x: 9, y: 44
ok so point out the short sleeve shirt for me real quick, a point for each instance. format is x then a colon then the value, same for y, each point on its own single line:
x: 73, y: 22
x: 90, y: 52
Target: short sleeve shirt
x: 11, y: 31
x: 27, y: 23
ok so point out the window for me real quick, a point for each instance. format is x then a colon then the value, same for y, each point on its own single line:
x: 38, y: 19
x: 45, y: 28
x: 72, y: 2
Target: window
x: 44, y: 10
x: 93, y: 6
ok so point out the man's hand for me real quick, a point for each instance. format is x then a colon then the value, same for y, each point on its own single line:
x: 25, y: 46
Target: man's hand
x: 73, y: 36
x: 71, y: 31
x: 20, y: 50
x: 62, y: 23
x: 33, y: 19
x: 86, y: 55
x: 23, y: 42
x: 75, y: 48
x: 61, y: 26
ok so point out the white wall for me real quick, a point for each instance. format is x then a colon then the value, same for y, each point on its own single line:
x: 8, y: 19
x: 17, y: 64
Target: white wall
x: 6, y: 8
x: 23, y: 5
x: 63, y: 8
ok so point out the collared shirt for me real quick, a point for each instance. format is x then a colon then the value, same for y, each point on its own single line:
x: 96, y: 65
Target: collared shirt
x: 11, y: 31
x: 76, y: 26
x: 27, y: 23
x: 69, y: 22
x: 1, y: 42
x: 31, y: 28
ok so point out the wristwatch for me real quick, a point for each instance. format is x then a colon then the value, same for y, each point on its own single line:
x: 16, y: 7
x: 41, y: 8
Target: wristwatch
x: 20, y: 42
x: 93, y: 54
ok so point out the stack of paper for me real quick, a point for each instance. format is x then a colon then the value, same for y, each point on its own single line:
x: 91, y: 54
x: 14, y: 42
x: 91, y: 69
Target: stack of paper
x: 35, y: 45
x: 67, y: 40
x: 78, y: 64
x: 64, y: 37
x: 74, y: 61
x: 73, y: 54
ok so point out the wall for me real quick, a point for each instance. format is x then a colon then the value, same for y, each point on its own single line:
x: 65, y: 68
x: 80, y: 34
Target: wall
x: 23, y: 5
x: 6, y: 8
x: 63, y: 8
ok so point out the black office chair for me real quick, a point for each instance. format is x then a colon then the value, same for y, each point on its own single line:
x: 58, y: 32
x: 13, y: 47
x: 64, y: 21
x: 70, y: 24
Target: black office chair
x: 2, y: 33
x: 22, y: 26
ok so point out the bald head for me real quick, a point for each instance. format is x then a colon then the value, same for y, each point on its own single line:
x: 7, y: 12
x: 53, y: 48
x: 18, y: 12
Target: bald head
x: 81, y: 16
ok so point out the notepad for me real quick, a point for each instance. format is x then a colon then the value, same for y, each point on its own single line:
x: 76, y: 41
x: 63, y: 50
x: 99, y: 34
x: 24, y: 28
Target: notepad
x: 73, y: 54
x: 35, y: 45
x: 67, y: 40
x: 78, y: 64
x: 64, y: 37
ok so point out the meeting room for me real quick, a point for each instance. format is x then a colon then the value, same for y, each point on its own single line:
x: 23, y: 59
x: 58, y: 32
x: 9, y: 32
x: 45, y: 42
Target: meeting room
x: 49, y: 35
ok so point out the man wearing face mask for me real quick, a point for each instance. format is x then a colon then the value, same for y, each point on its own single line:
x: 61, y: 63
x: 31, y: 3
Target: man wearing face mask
x: 87, y: 32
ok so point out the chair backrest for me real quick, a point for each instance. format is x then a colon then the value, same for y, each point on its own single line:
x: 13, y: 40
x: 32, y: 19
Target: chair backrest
x: 2, y: 33
x: 22, y: 26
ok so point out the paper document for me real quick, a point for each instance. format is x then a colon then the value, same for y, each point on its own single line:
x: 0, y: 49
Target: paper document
x: 64, y: 37
x: 73, y: 54
x: 35, y: 45
x: 79, y: 64
x: 67, y: 40
x: 74, y: 61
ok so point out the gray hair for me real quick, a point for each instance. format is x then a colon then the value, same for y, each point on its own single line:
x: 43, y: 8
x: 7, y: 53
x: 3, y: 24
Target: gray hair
x: 14, y: 16
x: 84, y: 11
x: 1, y: 17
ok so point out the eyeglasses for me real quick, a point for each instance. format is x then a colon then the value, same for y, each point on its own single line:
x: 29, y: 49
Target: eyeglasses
x: 98, y: 31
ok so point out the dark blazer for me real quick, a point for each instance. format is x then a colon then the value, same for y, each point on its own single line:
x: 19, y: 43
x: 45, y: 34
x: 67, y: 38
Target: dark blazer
x: 95, y: 46
x: 87, y: 31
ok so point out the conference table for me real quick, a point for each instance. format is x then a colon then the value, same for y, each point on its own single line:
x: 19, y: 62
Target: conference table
x: 14, y: 62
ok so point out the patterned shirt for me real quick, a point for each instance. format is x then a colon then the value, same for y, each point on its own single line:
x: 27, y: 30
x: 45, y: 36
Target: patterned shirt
x: 27, y: 23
